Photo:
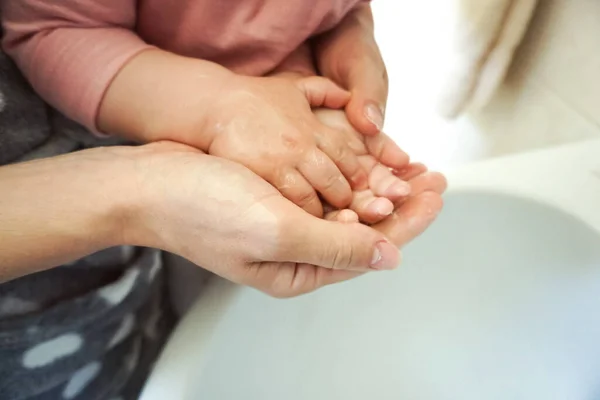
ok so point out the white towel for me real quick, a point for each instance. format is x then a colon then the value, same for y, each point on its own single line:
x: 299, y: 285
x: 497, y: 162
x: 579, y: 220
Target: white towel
x: 486, y: 35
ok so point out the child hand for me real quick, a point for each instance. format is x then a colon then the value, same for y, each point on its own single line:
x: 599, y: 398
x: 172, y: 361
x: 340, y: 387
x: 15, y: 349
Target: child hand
x: 266, y: 124
x: 375, y: 153
x: 385, y: 188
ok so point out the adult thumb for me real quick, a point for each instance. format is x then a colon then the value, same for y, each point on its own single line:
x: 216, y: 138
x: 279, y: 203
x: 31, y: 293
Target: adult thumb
x: 369, y: 88
x: 336, y: 245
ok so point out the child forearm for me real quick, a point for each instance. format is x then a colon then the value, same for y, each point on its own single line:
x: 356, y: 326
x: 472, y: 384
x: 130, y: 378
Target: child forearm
x: 76, y: 53
x: 70, y: 50
x: 138, y: 103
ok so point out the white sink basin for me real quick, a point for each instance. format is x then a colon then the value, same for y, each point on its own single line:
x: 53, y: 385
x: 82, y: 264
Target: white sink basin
x: 500, y: 299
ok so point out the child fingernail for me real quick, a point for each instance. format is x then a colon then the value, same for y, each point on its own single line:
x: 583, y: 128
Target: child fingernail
x: 399, y: 188
x: 401, y: 171
x: 385, y: 256
x: 381, y: 207
x: 374, y: 115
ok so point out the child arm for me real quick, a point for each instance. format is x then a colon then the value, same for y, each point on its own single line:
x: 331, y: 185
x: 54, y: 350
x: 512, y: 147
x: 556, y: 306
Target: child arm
x: 71, y: 52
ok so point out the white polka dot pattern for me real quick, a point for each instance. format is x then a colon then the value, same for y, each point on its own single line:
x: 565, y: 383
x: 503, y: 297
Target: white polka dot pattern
x: 56, y: 322
x: 11, y: 306
x: 127, y: 253
x: 81, y: 379
x: 116, y: 292
x: 155, y: 267
x: 132, y: 358
x: 124, y: 330
x: 151, y: 325
x: 47, y: 352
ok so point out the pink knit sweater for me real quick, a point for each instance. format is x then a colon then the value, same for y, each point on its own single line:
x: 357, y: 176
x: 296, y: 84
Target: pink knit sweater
x: 70, y: 50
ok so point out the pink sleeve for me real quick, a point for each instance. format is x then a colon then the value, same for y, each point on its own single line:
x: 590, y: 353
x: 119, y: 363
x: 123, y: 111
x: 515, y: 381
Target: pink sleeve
x: 70, y: 50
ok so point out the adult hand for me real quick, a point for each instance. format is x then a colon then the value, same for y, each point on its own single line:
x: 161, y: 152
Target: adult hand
x: 223, y: 217
x: 350, y: 57
x: 220, y: 215
x: 212, y: 211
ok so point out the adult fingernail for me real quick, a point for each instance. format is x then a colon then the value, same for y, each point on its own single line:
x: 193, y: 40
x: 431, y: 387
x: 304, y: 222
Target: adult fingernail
x: 374, y: 115
x: 385, y: 256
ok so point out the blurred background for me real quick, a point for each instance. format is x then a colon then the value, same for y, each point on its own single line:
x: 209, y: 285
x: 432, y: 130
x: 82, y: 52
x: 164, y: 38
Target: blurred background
x: 551, y: 94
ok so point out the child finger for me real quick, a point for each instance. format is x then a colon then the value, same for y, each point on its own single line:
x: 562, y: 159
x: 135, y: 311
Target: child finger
x: 385, y: 184
x: 336, y: 147
x: 320, y: 171
x: 410, y: 171
x: 321, y: 92
x: 293, y: 186
x: 386, y: 151
x: 370, y: 208
x: 346, y: 216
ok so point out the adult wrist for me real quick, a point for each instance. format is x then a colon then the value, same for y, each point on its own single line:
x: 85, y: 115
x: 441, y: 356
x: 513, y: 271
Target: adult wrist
x: 117, y: 177
x: 64, y: 208
x: 115, y: 171
x: 328, y: 53
x: 148, y: 208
